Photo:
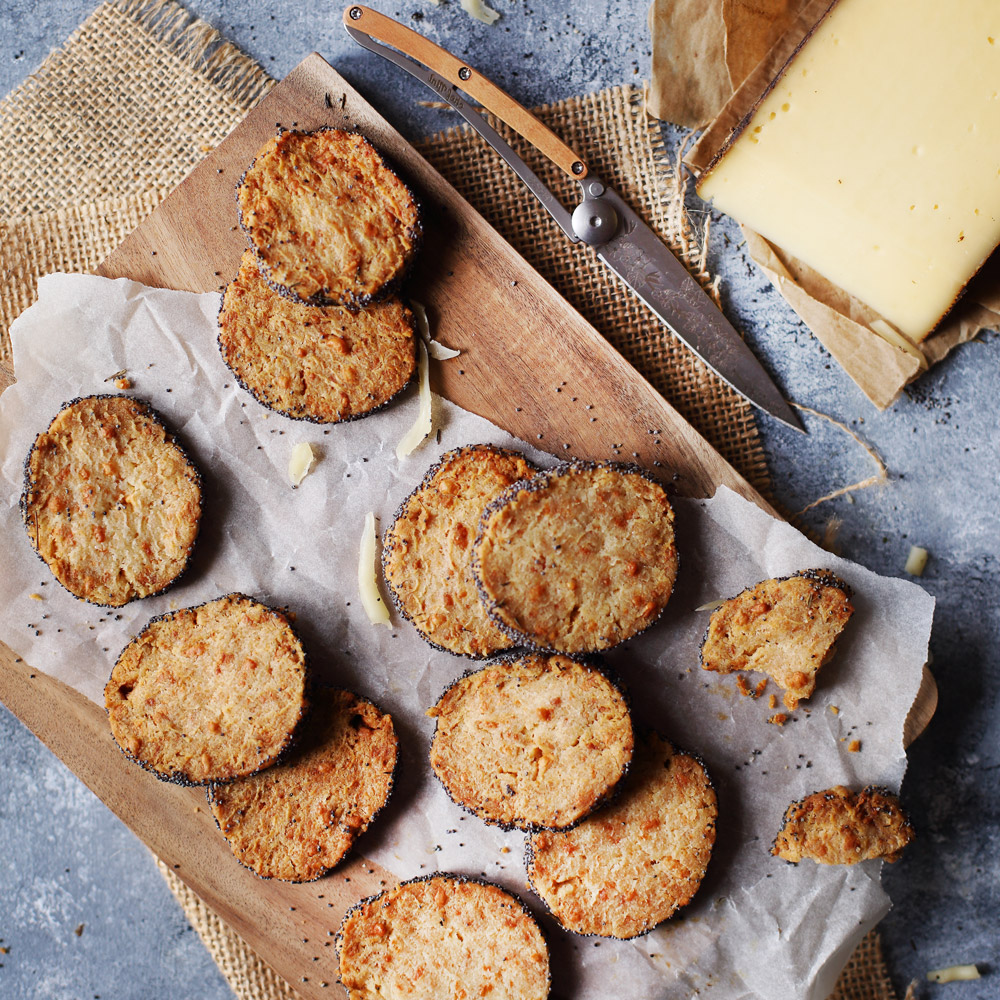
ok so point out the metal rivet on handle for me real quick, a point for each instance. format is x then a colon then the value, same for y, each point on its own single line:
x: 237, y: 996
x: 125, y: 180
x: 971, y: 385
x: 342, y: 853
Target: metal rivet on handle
x: 577, y: 167
x: 464, y: 73
x: 356, y: 13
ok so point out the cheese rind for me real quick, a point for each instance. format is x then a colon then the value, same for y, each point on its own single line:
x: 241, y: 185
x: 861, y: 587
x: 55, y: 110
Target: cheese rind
x: 875, y: 155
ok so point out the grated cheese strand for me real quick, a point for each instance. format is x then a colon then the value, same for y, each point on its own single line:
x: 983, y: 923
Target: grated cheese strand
x: 480, y: 11
x: 437, y: 350
x: 424, y: 423
x: 371, y: 599
x: 712, y: 605
x: 953, y: 974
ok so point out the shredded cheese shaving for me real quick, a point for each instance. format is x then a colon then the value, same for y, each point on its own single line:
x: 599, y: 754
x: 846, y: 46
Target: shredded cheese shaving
x: 301, y: 462
x: 916, y: 561
x: 712, y: 605
x: 439, y: 352
x: 424, y: 423
x: 371, y: 599
x: 953, y: 973
x: 435, y: 348
x: 480, y: 11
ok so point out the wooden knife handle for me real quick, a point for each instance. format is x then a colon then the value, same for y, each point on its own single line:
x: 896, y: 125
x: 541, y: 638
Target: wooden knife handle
x: 488, y: 94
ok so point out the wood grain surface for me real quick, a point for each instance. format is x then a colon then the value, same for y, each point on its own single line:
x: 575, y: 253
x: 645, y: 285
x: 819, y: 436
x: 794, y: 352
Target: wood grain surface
x: 520, y: 343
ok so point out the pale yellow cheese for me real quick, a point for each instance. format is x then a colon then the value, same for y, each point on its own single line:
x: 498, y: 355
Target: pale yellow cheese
x: 875, y: 158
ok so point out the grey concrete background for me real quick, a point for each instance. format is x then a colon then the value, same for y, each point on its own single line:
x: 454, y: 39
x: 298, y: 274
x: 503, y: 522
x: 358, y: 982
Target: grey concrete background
x: 67, y: 864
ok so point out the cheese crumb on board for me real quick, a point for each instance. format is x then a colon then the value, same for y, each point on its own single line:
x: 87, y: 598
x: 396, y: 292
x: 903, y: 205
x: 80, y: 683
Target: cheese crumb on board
x: 874, y: 156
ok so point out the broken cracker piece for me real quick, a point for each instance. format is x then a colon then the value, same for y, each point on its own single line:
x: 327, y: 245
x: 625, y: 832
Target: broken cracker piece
x: 837, y: 827
x: 785, y: 628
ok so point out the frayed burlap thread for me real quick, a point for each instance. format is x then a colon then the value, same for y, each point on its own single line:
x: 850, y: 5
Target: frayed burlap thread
x: 142, y: 91
x: 865, y: 977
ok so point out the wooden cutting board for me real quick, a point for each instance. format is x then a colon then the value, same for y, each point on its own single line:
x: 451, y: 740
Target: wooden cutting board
x: 530, y: 363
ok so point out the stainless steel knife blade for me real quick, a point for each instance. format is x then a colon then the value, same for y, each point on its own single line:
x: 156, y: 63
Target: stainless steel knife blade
x: 647, y: 266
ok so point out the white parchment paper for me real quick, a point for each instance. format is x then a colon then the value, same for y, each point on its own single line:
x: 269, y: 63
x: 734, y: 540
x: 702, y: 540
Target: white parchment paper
x: 758, y: 927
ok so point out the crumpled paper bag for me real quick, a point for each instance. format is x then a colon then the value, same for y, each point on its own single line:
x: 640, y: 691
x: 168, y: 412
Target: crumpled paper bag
x: 703, y: 51
x: 732, y: 49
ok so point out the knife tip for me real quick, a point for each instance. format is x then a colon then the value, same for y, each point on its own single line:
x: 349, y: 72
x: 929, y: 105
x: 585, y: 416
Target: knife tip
x: 782, y: 410
x: 790, y: 418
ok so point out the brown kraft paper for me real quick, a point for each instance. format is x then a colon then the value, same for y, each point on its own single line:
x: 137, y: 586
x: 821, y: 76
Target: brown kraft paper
x: 842, y: 323
x: 702, y: 51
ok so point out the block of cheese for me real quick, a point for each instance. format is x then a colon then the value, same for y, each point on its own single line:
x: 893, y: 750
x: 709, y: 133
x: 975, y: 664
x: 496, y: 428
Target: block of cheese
x: 874, y: 156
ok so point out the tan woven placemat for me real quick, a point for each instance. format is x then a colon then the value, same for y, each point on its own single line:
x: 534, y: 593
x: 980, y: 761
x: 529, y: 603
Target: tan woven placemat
x: 141, y: 91
x: 624, y: 147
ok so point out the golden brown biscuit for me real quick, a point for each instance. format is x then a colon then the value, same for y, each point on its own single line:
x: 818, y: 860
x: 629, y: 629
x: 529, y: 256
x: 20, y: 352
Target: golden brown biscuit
x: 442, y: 936
x: 577, y: 559
x: 209, y: 693
x: 427, y: 550
x: 296, y: 820
x: 311, y: 363
x: 111, y: 502
x: 534, y: 742
x: 634, y: 863
x: 837, y: 827
x: 785, y: 628
x: 329, y: 221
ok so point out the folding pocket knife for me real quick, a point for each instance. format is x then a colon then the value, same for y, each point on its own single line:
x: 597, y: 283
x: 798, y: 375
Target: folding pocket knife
x: 602, y: 219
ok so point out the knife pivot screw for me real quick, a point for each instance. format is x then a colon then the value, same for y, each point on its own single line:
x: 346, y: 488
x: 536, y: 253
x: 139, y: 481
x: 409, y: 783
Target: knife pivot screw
x: 595, y: 221
x: 356, y: 13
x: 464, y: 73
x: 577, y: 167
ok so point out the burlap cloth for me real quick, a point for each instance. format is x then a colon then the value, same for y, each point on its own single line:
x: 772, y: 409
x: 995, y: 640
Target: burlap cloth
x: 137, y: 96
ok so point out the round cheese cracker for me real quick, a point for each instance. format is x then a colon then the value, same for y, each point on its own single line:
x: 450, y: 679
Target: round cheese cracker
x: 296, y: 820
x: 209, y: 693
x: 427, y: 550
x: 329, y: 221
x: 442, y: 936
x: 111, y: 503
x: 321, y: 364
x: 577, y: 559
x: 535, y: 742
x: 631, y: 865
